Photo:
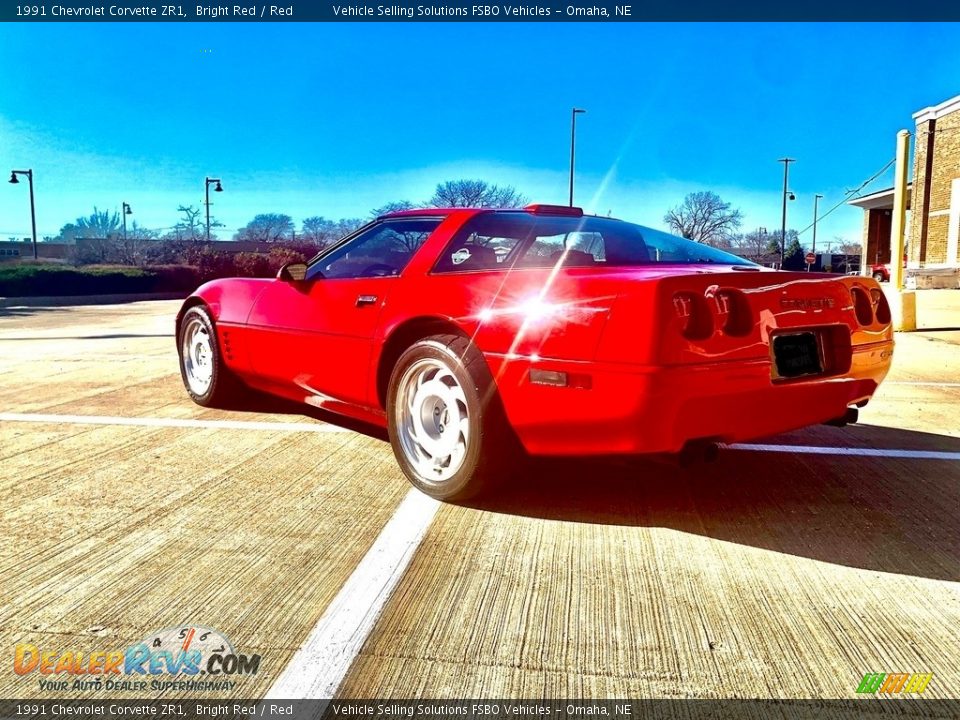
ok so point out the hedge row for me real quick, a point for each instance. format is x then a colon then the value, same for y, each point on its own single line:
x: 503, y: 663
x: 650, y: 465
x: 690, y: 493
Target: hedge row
x: 32, y: 280
x: 26, y: 279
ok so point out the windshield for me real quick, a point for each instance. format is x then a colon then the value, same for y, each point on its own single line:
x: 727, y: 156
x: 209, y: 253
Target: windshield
x: 493, y: 241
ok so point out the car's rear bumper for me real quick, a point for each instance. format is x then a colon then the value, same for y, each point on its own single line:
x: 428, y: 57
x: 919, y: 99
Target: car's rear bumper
x: 634, y: 409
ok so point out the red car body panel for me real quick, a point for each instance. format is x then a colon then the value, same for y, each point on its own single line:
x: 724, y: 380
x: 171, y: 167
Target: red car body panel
x: 636, y: 382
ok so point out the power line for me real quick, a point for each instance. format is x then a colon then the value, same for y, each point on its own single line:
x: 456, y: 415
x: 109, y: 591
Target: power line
x: 849, y: 193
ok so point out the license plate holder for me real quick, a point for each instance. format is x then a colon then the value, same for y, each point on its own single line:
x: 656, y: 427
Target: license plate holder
x: 797, y: 355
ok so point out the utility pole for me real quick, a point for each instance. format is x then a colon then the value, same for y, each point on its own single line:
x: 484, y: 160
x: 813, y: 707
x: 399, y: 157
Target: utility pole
x: 783, y: 225
x: 573, y: 145
x: 816, y: 201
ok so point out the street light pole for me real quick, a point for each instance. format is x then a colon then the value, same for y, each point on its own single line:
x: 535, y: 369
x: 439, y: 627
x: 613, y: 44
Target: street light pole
x: 125, y: 210
x: 573, y: 144
x: 210, y: 181
x: 816, y: 202
x: 33, y: 214
x: 783, y: 225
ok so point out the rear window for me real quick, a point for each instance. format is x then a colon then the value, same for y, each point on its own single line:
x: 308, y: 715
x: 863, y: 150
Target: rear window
x: 493, y: 241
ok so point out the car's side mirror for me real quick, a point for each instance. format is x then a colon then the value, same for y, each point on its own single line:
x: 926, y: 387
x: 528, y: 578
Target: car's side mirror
x: 293, y: 272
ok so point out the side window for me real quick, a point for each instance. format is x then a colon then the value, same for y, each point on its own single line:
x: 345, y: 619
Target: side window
x: 477, y: 251
x: 488, y: 241
x: 382, y: 250
x: 590, y: 243
x: 575, y: 248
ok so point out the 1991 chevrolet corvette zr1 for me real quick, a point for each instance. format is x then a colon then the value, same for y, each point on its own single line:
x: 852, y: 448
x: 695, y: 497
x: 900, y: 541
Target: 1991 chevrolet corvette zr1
x: 474, y: 334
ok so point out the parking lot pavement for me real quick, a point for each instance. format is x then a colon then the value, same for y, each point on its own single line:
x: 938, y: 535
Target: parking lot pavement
x: 779, y: 571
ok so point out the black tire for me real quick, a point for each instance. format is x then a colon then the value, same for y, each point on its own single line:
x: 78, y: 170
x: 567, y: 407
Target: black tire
x: 492, y: 449
x: 224, y: 388
x: 878, y: 277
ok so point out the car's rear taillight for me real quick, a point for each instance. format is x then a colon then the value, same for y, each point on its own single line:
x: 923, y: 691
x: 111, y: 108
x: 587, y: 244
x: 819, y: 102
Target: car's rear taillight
x: 733, y: 312
x: 693, y: 315
x: 881, y: 308
x: 862, y: 306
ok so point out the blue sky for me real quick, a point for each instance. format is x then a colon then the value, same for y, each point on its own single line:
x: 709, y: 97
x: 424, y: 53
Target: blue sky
x: 334, y: 119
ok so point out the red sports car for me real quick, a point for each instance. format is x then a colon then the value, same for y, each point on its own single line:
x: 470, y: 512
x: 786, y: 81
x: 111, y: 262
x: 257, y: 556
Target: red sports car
x: 473, y: 335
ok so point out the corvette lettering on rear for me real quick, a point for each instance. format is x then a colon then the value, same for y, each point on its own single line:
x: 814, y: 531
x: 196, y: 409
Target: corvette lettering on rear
x: 820, y: 303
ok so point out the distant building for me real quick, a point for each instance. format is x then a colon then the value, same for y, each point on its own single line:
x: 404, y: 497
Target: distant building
x: 877, y: 219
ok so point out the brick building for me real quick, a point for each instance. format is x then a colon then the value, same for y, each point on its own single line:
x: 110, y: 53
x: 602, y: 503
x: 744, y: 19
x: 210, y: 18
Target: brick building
x: 933, y: 202
x: 936, y: 180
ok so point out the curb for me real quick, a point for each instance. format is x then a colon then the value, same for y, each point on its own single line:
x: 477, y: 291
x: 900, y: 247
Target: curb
x: 64, y: 300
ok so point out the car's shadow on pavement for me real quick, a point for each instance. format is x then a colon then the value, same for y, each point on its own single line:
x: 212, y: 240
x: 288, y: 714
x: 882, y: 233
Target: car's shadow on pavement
x: 896, y: 515
x: 256, y: 402
x: 889, y: 514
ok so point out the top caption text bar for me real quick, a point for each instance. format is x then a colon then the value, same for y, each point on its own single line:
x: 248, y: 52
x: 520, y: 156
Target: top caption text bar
x: 541, y: 11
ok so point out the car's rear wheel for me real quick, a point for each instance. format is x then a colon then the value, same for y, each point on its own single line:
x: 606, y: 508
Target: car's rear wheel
x: 207, y: 379
x: 878, y: 276
x: 447, y: 427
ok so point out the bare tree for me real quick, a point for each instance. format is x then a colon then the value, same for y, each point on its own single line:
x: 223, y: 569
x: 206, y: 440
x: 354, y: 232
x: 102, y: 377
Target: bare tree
x: 99, y: 224
x: 754, y: 244
x: 390, y: 207
x: 475, y: 193
x: 133, y: 249
x: 267, y: 227
x: 321, y: 232
x: 851, y: 253
x: 189, y: 227
x: 704, y: 217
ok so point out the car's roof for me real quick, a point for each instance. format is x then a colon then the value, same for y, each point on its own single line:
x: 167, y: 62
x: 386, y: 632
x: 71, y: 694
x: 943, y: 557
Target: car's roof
x: 424, y: 212
x: 536, y: 209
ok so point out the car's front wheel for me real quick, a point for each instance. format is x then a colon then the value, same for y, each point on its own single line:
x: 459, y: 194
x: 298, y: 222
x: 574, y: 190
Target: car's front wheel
x: 447, y: 427
x: 878, y: 276
x: 207, y: 379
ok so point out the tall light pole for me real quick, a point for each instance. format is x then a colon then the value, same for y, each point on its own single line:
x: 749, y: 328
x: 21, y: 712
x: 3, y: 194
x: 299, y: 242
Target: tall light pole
x: 33, y: 214
x: 783, y: 225
x: 211, y: 181
x: 125, y: 211
x: 573, y: 145
x: 816, y: 202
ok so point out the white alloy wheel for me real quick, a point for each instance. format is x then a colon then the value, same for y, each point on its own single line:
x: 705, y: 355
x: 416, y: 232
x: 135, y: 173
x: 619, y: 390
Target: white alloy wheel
x: 432, y: 420
x: 196, y: 353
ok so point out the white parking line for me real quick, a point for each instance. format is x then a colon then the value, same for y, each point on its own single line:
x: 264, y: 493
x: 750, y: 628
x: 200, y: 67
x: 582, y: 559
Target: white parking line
x: 330, y: 428
x: 317, y: 669
x: 169, y: 422
x: 859, y: 452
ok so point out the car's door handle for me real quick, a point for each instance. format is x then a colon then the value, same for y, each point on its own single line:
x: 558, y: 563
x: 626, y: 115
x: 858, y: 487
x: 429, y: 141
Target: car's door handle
x: 366, y: 300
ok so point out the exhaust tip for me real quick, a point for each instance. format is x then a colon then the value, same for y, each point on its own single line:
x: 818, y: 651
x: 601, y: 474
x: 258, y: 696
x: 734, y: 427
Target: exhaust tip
x: 698, y: 452
x: 850, y: 417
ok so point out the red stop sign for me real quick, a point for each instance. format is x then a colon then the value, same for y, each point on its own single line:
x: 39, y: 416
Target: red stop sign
x: 810, y: 258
